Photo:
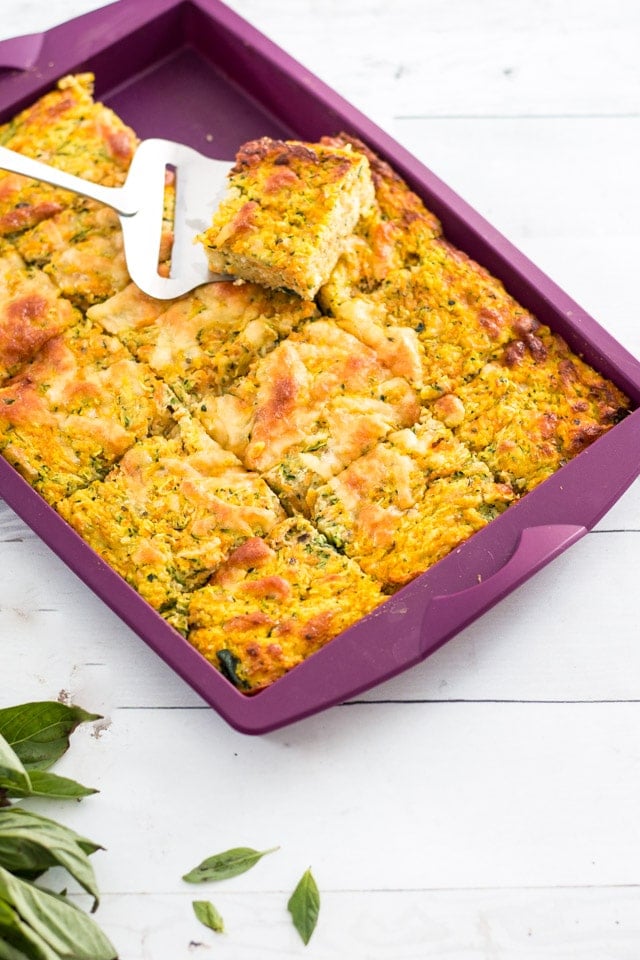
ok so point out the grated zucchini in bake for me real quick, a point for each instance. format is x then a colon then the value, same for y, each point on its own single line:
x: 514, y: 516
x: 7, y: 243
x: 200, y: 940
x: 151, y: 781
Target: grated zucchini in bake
x: 265, y: 460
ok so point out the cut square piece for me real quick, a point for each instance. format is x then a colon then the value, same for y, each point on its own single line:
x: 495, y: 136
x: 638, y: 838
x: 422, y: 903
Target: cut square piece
x: 408, y: 502
x: 170, y: 513
x: 437, y: 323
x: 532, y: 408
x: 69, y: 415
x: 81, y: 250
x: 275, y: 602
x: 310, y: 407
x: 288, y: 210
x: 31, y: 311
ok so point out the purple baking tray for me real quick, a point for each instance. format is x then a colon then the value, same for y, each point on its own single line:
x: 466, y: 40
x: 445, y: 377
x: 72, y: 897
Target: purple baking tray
x: 193, y: 71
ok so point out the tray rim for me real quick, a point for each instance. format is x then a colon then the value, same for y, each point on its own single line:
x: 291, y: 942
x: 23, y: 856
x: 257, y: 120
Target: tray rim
x: 307, y: 689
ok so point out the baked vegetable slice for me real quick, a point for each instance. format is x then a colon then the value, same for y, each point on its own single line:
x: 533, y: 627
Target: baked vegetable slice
x: 408, y: 502
x: 532, y: 409
x: 275, y: 601
x: 69, y: 415
x: 287, y: 212
x: 310, y: 407
x: 31, y: 311
x: 170, y: 513
x: 67, y: 129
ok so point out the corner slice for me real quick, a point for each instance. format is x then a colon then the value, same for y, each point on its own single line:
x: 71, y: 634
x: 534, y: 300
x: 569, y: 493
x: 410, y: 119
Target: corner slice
x: 276, y: 601
x: 289, y: 208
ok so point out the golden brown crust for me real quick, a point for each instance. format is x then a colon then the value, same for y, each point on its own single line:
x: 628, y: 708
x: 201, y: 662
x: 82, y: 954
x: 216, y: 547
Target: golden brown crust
x: 408, y: 502
x: 31, y: 312
x: 310, y: 407
x: 203, y: 341
x: 532, y: 408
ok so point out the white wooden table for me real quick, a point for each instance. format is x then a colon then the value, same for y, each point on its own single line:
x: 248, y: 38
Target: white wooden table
x: 485, y: 804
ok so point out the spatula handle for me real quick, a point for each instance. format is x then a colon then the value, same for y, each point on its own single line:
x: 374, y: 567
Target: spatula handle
x: 28, y: 167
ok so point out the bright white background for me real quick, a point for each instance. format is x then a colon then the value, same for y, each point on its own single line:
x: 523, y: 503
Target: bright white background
x: 484, y: 806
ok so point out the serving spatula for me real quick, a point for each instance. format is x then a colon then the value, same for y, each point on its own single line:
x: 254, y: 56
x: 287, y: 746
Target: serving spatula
x: 200, y: 183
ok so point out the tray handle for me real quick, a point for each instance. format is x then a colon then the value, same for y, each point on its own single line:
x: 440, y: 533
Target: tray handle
x: 415, y: 627
x: 452, y: 612
x: 21, y: 53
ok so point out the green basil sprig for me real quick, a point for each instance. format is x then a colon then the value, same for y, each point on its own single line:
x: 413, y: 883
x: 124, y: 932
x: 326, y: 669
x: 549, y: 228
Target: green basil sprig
x: 36, y: 923
x: 304, y: 906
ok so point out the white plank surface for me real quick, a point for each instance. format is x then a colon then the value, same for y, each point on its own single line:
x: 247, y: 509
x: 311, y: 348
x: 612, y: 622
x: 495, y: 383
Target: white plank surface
x: 484, y: 805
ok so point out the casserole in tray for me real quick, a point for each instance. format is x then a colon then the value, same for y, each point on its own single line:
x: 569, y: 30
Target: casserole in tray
x: 195, y: 72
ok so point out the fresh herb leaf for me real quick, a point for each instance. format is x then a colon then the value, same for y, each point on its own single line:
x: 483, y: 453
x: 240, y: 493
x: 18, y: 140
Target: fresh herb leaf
x: 304, y: 906
x: 13, y: 775
x: 208, y: 915
x: 39, y: 732
x: 31, y: 844
x: 45, y: 784
x: 45, y: 926
x: 230, y: 863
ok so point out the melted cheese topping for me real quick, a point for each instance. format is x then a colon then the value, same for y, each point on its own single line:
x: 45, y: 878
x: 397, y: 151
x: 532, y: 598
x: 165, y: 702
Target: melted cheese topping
x: 401, y: 507
x: 201, y: 342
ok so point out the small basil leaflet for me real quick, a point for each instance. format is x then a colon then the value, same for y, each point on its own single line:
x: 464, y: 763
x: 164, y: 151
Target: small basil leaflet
x: 208, y: 915
x: 304, y: 906
x: 229, y: 863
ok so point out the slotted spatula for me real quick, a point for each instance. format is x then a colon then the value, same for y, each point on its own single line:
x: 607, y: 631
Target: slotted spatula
x: 200, y: 183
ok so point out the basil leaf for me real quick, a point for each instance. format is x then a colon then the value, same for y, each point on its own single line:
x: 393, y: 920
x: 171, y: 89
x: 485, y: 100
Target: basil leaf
x: 208, y: 915
x: 18, y: 942
x: 52, y: 925
x: 45, y: 784
x: 31, y: 844
x: 304, y: 906
x: 230, y: 863
x: 13, y: 775
x: 39, y: 732
x: 7, y: 950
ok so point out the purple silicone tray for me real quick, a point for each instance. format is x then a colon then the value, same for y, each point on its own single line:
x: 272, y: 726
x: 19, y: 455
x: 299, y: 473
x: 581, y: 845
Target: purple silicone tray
x: 193, y: 71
